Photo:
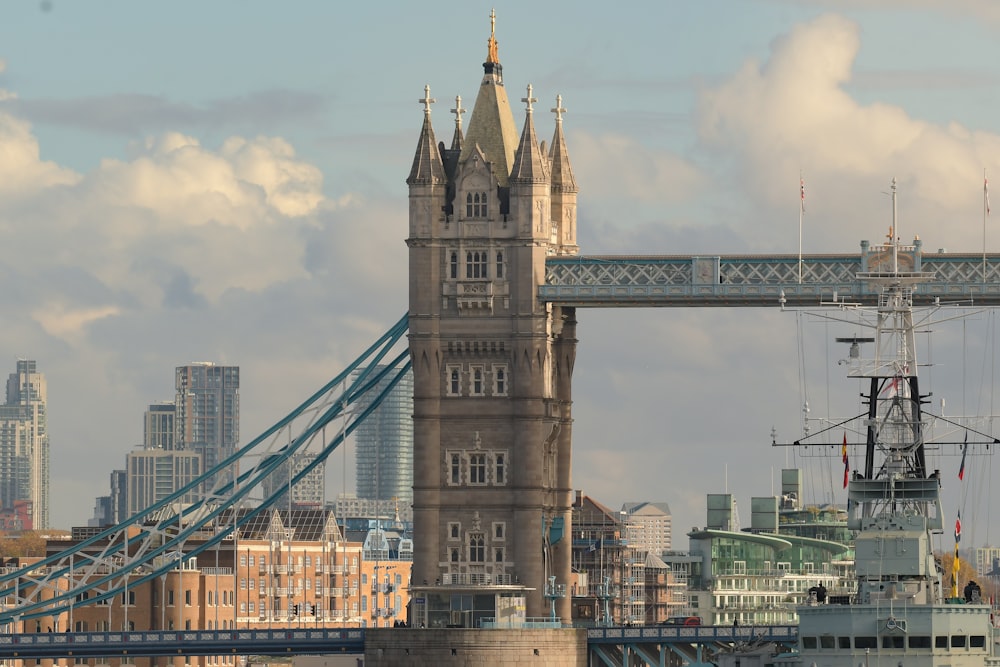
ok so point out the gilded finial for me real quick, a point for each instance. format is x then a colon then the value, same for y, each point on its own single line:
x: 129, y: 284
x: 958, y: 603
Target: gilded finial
x: 492, y: 43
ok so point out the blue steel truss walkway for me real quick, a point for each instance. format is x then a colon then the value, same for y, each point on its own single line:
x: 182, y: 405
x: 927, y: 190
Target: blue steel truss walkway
x: 764, y: 280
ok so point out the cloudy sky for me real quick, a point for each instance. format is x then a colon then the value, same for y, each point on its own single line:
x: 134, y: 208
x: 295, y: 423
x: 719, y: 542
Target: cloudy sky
x: 225, y: 181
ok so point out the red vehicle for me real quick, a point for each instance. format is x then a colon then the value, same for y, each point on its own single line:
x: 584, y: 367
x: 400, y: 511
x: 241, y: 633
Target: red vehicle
x: 682, y: 620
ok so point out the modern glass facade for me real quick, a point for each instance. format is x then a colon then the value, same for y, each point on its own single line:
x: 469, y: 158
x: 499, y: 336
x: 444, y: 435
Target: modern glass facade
x: 24, y: 443
x: 207, y: 411
x: 384, y: 460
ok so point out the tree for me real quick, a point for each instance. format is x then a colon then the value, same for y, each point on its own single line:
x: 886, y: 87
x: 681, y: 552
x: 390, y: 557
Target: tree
x: 966, y: 573
x: 26, y: 544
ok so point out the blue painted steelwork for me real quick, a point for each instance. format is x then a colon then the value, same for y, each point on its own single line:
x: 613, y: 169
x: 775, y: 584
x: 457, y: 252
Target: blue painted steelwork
x: 694, y: 634
x: 185, y: 642
x: 693, y: 644
x: 762, y: 280
x: 103, y: 572
x: 293, y: 641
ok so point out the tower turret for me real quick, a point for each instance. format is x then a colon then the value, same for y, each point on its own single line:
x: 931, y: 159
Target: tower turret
x: 564, y: 190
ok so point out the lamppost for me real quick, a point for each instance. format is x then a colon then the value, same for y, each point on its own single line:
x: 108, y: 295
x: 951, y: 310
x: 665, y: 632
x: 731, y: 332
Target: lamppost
x: 623, y: 550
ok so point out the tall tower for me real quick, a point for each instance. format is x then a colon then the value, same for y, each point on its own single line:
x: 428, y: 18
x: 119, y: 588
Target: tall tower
x: 492, y: 364
x: 159, y: 427
x: 207, y: 411
x: 24, y: 442
x: 384, y: 443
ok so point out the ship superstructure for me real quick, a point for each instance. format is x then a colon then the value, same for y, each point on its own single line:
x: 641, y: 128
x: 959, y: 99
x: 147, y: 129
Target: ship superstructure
x: 900, y: 614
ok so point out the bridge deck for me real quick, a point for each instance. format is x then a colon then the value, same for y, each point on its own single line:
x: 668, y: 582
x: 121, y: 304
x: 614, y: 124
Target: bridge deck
x: 292, y: 641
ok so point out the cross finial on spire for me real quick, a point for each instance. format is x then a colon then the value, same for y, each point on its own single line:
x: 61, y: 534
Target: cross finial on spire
x: 458, y: 111
x: 491, y: 56
x: 558, y: 110
x: 529, y: 99
x: 427, y: 100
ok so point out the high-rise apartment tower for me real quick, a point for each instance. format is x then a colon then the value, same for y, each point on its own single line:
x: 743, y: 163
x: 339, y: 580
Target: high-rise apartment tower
x: 24, y: 443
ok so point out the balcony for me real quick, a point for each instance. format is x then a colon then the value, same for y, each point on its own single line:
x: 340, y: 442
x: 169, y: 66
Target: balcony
x: 476, y: 579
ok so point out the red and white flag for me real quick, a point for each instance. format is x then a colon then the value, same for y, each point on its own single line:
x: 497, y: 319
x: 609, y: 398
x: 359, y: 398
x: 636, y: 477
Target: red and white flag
x: 802, y: 194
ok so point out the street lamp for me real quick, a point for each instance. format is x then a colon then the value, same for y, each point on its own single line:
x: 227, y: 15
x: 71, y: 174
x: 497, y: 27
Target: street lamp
x: 623, y: 543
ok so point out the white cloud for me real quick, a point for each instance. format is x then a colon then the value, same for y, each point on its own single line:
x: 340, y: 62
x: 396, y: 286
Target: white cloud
x: 792, y: 114
x: 62, y: 320
x: 619, y: 166
x: 22, y: 171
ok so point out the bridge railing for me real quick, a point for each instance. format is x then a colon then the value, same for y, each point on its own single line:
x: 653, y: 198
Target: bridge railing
x: 287, y: 641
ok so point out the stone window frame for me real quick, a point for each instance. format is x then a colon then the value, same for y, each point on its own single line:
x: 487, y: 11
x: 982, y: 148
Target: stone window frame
x: 477, y: 264
x: 454, y: 464
x: 477, y: 380
x: 477, y: 205
x: 500, y: 380
x: 500, y: 461
x: 454, y: 530
x: 499, y: 531
x: 477, y: 547
x: 478, y: 469
x: 453, y: 380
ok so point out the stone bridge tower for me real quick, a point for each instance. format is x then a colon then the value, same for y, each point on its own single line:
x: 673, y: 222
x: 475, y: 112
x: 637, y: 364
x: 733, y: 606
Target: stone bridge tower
x: 492, y: 365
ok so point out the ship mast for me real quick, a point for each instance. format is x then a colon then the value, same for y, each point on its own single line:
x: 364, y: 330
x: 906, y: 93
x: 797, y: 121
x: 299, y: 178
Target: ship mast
x: 894, y: 496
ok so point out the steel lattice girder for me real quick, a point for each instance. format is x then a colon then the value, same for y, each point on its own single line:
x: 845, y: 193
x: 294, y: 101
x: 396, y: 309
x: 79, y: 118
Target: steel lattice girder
x: 741, y: 280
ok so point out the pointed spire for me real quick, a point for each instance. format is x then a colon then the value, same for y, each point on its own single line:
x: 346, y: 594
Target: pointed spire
x: 491, y: 127
x: 562, y: 173
x: 529, y: 164
x: 427, y: 166
x: 456, y: 139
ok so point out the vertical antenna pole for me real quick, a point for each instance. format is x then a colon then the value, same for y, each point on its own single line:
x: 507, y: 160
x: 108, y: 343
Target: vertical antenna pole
x: 802, y: 209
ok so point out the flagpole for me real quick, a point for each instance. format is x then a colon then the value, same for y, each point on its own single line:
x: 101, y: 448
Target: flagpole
x: 986, y: 212
x: 802, y: 209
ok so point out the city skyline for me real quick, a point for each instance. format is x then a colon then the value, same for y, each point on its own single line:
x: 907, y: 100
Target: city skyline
x: 235, y: 201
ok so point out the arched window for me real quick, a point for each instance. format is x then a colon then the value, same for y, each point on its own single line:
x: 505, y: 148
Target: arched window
x: 477, y: 548
x: 477, y: 382
x: 468, y: 264
x: 499, y: 381
x: 476, y: 205
x: 454, y: 381
x: 499, y: 264
x: 477, y: 469
x: 501, y: 471
x: 456, y: 469
x: 454, y: 265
